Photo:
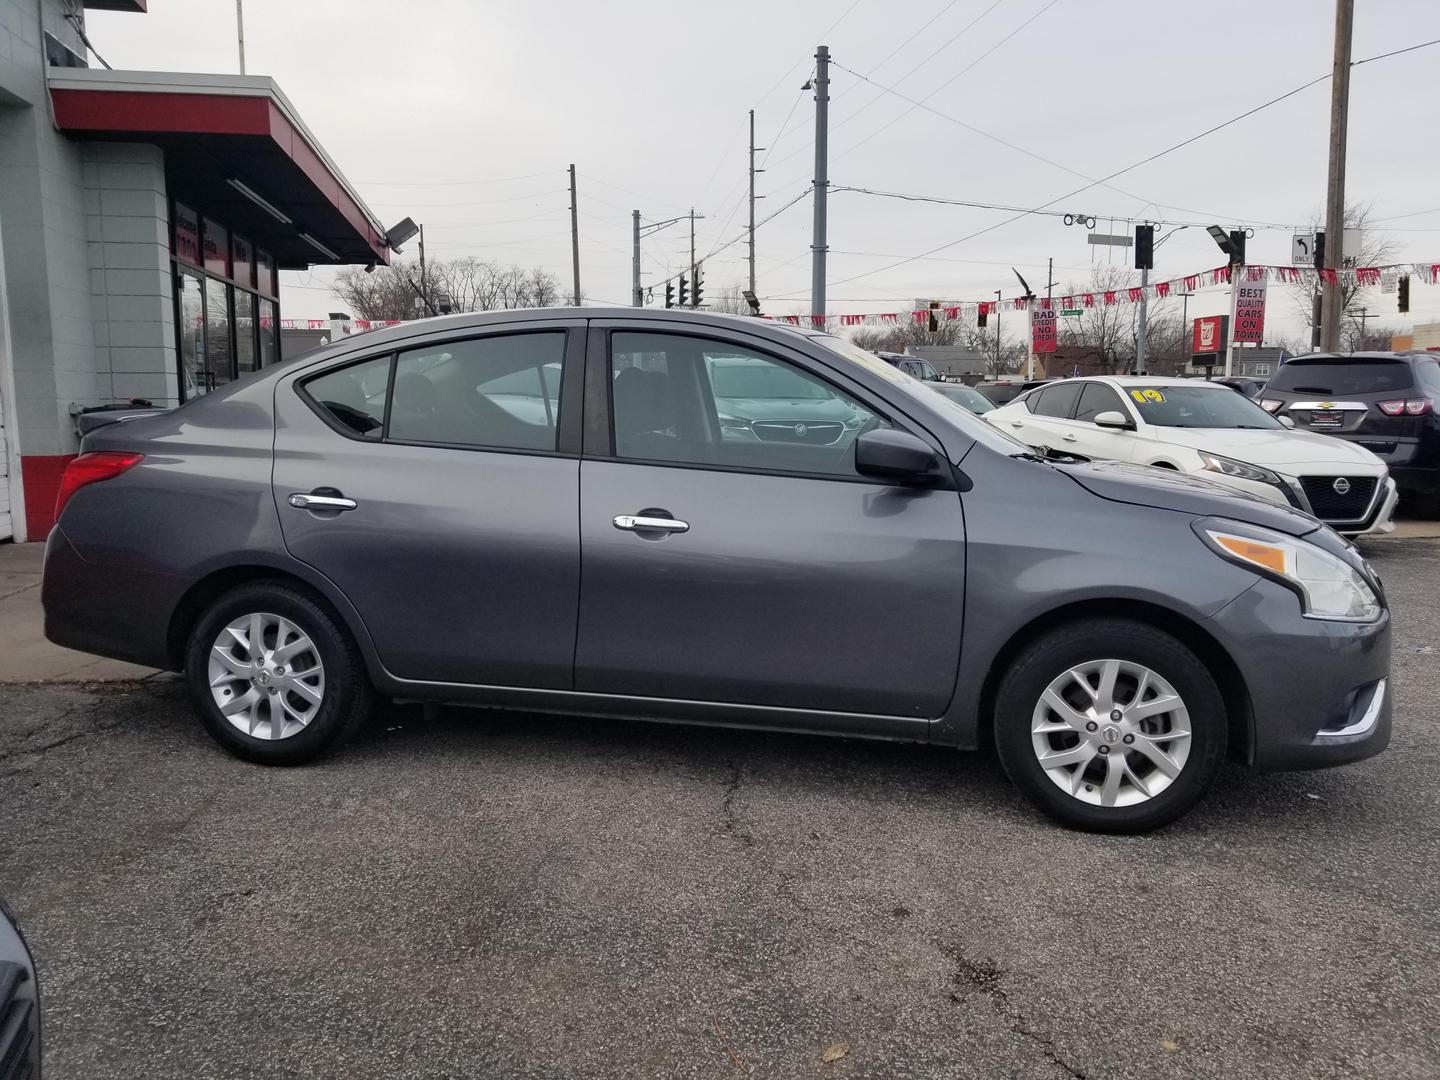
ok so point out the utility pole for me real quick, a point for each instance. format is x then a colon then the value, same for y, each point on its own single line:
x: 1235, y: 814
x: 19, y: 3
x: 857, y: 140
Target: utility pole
x: 636, y: 298
x: 692, y: 251
x: 997, y: 331
x: 575, y: 235
x: 753, y: 171
x: 240, y: 31
x: 1140, y: 330
x: 822, y: 181
x: 424, y: 286
x: 1364, y: 314
x: 1332, y: 298
x: 1049, y: 278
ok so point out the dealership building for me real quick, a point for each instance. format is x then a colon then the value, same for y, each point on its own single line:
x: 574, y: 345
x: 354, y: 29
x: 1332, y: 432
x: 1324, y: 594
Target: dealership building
x: 144, y: 217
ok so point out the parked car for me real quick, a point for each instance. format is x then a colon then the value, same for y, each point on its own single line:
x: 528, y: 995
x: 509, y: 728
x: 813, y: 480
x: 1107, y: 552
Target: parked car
x: 1003, y: 391
x: 19, y: 1003
x: 1208, y: 430
x: 1244, y: 384
x: 964, y: 395
x: 913, y: 366
x: 757, y: 401
x: 1382, y: 401
x: 297, y: 548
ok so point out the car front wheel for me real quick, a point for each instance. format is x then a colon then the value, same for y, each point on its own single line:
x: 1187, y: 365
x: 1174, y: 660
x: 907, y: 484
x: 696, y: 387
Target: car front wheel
x: 1110, y: 725
x: 273, y: 677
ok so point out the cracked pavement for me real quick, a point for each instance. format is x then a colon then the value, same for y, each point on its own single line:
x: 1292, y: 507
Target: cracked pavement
x: 470, y: 893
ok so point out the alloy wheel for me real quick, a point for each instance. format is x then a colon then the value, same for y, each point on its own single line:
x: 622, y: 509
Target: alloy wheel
x: 1111, y: 733
x: 266, y: 676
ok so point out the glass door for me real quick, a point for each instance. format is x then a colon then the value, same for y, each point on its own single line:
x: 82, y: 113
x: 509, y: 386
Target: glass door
x: 190, y: 329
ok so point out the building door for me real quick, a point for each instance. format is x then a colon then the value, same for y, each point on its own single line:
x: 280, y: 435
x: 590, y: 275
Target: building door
x: 190, y: 330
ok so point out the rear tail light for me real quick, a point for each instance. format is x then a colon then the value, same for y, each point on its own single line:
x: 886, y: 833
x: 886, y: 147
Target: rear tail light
x: 91, y: 469
x: 1409, y: 407
x: 1270, y: 404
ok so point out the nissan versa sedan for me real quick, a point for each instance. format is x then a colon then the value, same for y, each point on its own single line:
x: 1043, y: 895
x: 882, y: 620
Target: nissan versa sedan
x: 366, y: 521
x: 1208, y: 430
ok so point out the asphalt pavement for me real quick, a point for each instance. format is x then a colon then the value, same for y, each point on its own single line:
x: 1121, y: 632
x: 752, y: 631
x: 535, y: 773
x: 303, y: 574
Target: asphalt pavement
x: 482, y: 894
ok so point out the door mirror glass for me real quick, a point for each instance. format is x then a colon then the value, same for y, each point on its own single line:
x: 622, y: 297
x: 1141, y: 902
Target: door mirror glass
x: 1113, y: 419
x: 890, y: 454
x: 1286, y: 421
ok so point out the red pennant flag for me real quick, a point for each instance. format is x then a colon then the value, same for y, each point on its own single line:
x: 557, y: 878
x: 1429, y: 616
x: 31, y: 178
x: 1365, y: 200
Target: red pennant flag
x: 1329, y: 275
x: 1192, y: 282
x: 1045, y: 304
x: 1135, y: 294
x: 1219, y: 274
x: 1068, y: 302
x: 920, y: 315
x: 1109, y: 297
x: 1162, y: 289
x: 952, y: 312
x: 1088, y: 299
x: 817, y: 321
x: 1019, y: 303
x: 1257, y: 273
x: 1367, y: 275
x: 793, y: 320
x: 851, y: 320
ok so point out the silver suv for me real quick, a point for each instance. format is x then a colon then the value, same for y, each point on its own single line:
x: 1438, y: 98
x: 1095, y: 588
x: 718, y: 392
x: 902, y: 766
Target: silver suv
x: 547, y: 510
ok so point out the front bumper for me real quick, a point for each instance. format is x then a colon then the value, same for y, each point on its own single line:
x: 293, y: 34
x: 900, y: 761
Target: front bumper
x: 1320, y: 691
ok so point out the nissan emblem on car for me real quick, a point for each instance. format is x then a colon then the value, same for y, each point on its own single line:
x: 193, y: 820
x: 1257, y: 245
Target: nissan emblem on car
x: 1341, y: 486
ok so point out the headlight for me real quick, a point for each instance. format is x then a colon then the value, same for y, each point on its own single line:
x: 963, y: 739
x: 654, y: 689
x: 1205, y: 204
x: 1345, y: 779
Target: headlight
x: 1329, y: 587
x: 1230, y: 467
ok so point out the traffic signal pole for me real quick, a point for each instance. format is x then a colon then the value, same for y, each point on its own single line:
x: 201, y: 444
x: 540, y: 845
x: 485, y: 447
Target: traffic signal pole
x: 575, y: 235
x: 637, y: 298
x: 1332, y: 298
x: 1140, y: 330
x: 822, y: 181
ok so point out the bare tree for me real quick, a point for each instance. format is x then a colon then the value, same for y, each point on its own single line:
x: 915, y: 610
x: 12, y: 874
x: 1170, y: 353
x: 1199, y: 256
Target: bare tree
x: 730, y: 301
x: 1376, y: 249
x: 467, y: 284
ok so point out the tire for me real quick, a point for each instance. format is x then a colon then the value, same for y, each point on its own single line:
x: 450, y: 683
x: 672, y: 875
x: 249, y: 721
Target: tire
x: 326, y: 665
x: 1140, y: 794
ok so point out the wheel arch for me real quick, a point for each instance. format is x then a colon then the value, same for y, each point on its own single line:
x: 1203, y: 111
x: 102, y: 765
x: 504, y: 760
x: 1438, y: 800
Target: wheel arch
x: 1238, y: 710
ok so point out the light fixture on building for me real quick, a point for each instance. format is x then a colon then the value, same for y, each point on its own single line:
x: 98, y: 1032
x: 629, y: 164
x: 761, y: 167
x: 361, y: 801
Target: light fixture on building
x: 258, y: 200
x: 318, y: 246
x: 399, y: 233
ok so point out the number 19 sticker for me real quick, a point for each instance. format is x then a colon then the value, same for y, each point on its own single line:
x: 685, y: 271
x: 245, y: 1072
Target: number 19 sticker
x: 1145, y: 397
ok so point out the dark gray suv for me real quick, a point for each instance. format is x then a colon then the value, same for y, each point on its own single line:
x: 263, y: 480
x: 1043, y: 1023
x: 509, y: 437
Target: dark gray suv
x: 545, y: 510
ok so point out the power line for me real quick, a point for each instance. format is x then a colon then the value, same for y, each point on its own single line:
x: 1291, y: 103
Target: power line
x: 469, y: 202
x: 1395, y: 52
x: 452, y: 183
x: 743, y: 234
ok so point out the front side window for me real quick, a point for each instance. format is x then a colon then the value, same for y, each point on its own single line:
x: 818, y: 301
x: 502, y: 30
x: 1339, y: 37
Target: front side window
x: 500, y: 391
x: 702, y: 401
x: 1057, y: 401
x: 354, y: 397
x: 1095, y: 399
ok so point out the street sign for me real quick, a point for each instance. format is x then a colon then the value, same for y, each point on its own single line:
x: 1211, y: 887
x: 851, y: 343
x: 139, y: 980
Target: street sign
x: 1302, y: 249
x: 1110, y: 240
x: 1072, y: 311
x: 1389, y: 280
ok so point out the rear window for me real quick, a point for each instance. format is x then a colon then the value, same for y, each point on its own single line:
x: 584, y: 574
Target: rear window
x: 1057, y: 400
x: 1342, y: 378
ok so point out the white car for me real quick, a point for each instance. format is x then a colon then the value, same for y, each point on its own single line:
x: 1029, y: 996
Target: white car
x: 1209, y: 430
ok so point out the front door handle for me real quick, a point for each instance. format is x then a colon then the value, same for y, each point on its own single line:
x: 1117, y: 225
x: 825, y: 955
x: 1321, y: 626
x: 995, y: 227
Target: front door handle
x: 1068, y: 438
x: 308, y: 501
x: 634, y: 522
x: 1017, y: 423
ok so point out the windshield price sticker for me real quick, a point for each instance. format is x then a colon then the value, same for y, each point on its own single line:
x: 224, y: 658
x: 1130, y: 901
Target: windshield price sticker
x: 1147, y: 397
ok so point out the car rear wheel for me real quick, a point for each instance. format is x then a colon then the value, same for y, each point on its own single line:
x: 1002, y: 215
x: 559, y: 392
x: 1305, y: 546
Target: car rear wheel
x: 273, y: 677
x: 1110, y: 725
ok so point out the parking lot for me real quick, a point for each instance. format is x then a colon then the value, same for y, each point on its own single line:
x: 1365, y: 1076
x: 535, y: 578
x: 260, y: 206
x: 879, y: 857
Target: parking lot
x: 465, y: 894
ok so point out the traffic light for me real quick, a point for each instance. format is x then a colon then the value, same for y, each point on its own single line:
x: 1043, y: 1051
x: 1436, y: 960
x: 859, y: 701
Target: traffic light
x: 1237, y: 246
x: 684, y: 292
x: 1144, y: 247
x: 699, y: 288
x: 934, y: 318
x: 1402, y: 294
x: 984, y: 309
x: 669, y: 294
x: 1319, y: 249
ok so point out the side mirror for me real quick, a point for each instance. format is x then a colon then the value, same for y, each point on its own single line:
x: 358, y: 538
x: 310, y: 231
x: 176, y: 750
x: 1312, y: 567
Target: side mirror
x: 1115, y: 420
x: 1286, y: 421
x: 898, y: 456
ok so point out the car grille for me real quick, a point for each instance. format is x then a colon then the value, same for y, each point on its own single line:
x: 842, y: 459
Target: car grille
x: 1332, y: 505
x: 19, y: 1025
x: 810, y: 433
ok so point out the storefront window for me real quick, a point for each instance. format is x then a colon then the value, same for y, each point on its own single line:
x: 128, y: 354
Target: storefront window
x: 190, y: 289
x: 186, y: 243
x: 244, y: 263
x: 216, y: 243
x: 269, y: 333
x: 219, y: 363
x: 245, y: 354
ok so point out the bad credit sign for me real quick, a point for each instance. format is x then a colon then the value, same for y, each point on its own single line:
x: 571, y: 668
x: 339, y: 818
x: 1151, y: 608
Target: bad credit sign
x: 1250, y: 311
x: 1042, y: 329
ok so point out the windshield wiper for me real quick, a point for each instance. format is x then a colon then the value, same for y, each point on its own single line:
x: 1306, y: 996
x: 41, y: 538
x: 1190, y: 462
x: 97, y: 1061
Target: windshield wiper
x: 1026, y: 455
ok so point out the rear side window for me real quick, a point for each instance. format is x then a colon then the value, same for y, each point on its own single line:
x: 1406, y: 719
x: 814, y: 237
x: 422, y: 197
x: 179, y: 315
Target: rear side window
x: 1097, y: 398
x: 1057, y: 400
x: 1342, y: 378
x: 354, y: 397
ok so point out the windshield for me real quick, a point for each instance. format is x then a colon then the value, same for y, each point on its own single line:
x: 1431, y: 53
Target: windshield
x: 1340, y: 377
x: 757, y: 379
x: 973, y: 400
x: 1200, y: 406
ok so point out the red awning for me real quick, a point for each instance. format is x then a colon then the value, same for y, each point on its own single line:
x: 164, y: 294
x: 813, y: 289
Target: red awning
x: 232, y: 144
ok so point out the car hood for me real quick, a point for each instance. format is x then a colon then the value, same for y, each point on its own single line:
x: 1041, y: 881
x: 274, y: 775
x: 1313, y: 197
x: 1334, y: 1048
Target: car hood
x: 1292, y: 451
x: 1166, y: 489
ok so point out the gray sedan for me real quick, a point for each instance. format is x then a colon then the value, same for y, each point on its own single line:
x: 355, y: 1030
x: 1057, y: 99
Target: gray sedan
x: 379, y: 517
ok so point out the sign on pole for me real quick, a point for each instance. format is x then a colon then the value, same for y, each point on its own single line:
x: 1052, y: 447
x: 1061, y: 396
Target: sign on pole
x: 1389, y: 281
x: 1110, y: 239
x: 1072, y: 312
x: 1208, y: 341
x: 1250, y: 311
x: 1302, y: 249
x: 1043, y: 324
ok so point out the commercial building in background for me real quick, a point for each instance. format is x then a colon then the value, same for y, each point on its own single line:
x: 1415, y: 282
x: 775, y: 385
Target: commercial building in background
x: 144, y: 217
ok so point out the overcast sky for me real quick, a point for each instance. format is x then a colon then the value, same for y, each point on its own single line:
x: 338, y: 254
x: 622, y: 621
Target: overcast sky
x: 465, y: 114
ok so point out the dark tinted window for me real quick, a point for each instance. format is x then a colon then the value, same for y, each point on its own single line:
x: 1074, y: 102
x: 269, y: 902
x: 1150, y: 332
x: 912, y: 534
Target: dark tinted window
x: 1342, y: 378
x: 1429, y: 374
x: 1097, y: 398
x: 704, y: 401
x: 501, y: 391
x: 354, y: 396
x: 1057, y: 400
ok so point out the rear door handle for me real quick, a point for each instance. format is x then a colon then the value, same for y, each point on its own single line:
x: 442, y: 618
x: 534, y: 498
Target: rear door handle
x: 633, y: 522
x: 305, y: 501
